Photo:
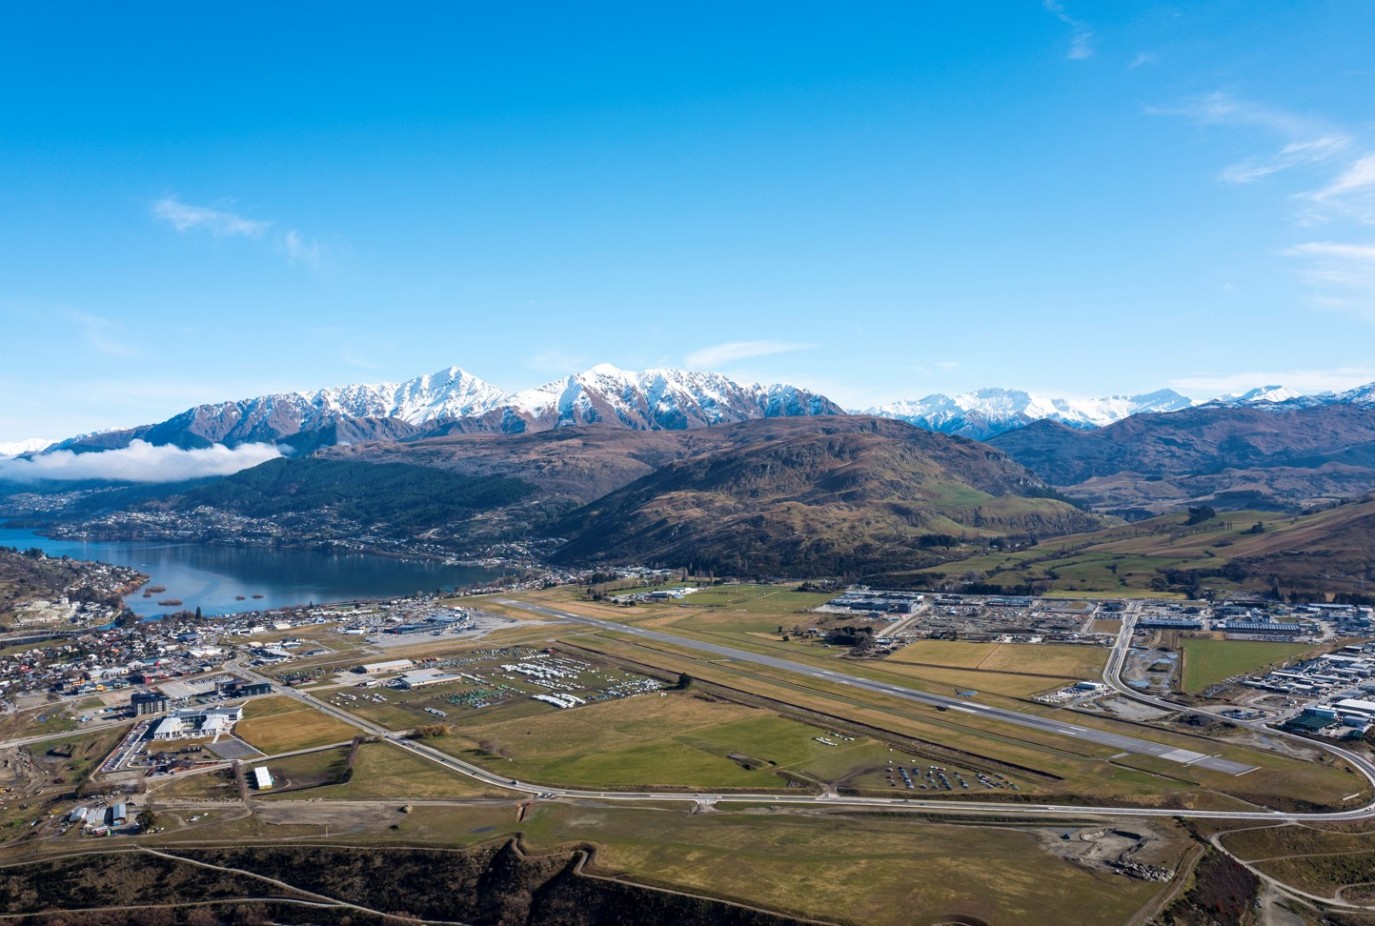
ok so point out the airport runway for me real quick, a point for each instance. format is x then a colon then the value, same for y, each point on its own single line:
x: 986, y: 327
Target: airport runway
x: 1117, y: 741
x: 950, y: 807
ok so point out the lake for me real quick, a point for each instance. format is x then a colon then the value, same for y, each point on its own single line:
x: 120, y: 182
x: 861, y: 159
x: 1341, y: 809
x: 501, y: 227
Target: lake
x: 212, y: 577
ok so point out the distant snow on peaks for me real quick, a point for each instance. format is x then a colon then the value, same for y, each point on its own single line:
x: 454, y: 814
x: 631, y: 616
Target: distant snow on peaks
x: 658, y: 400
x: 986, y: 412
x: 453, y: 400
x: 448, y: 393
x: 1258, y: 395
x: 1282, y: 398
x: 1361, y: 395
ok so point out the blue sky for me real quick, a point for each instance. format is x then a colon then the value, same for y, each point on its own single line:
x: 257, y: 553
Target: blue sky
x: 211, y: 201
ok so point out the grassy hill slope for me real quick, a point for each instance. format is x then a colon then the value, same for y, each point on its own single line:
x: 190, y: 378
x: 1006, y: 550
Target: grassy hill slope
x: 829, y: 501
x: 1227, y: 457
x: 1323, y: 553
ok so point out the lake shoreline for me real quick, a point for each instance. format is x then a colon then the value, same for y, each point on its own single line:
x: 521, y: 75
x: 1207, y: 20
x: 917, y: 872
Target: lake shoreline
x: 226, y: 579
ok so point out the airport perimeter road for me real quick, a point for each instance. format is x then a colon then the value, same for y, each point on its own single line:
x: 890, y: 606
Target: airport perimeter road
x: 1042, y: 724
x: 953, y: 808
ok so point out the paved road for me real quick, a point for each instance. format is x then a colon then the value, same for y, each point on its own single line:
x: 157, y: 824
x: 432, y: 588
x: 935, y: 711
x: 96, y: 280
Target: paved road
x: 66, y: 734
x: 1041, y: 724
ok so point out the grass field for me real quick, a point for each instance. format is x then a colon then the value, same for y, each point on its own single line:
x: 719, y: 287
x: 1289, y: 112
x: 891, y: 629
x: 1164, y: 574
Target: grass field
x: 735, y: 609
x: 1080, y: 769
x: 383, y: 771
x: 658, y: 741
x: 270, y: 707
x: 850, y: 869
x: 754, y: 599
x: 1280, y: 841
x: 311, y: 768
x: 1081, y: 662
x: 870, y: 869
x: 281, y: 724
x: 87, y: 751
x: 216, y: 785
x: 987, y: 684
x: 1318, y: 861
x: 1207, y: 662
x: 1126, y: 560
x: 987, y: 667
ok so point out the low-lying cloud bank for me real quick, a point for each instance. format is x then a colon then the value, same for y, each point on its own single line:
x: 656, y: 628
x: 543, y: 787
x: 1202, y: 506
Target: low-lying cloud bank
x: 140, y: 462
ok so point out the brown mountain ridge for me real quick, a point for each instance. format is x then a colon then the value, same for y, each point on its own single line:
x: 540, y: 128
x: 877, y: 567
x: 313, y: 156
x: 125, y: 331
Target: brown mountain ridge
x: 1277, y: 458
x: 787, y: 495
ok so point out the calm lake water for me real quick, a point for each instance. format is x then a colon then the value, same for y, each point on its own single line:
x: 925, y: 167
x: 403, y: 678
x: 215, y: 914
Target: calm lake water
x: 210, y: 577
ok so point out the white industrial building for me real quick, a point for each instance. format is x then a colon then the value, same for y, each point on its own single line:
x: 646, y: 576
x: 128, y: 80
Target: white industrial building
x: 192, y: 722
x: 1356, y: 708
x: 382, y: 668
x: 422, y: 677
x: 262, y: 778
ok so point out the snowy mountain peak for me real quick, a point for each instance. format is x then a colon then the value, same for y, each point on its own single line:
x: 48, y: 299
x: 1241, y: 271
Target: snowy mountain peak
x: 1282, y: 398
x: 607, y: 369
x: 984, y: 412
x: 448, y: 393
x: 1260, y: 394
x: 666, y: 399
x: 1361, y: 395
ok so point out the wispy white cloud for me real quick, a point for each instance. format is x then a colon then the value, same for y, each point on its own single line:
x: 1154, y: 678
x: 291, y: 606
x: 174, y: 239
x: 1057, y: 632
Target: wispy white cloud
x: 1294, y: 154
x: 140, y: 462
x: 1223, y: 108
x: 353, y: 358
x: 1350, y: 194
x: 934, y: 370
x: 1340, y: 275
x: 102, y: 334
x: 1364, y: 253
x: 1308, y: 141
x: 289, y: 242
x: 300, y: 251
x: 1211, y: 385
x: 556, y: 360
x: 720, y: 354
x: 185, y: 217
x: 1081, y: 36
x: 1142, y: 59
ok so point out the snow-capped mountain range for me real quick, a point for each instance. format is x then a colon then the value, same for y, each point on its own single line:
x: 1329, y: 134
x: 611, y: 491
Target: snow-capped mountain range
x: 454, y: 401
x: 1281, y: 397
x: 658, y: 400
x: 986, y: 412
